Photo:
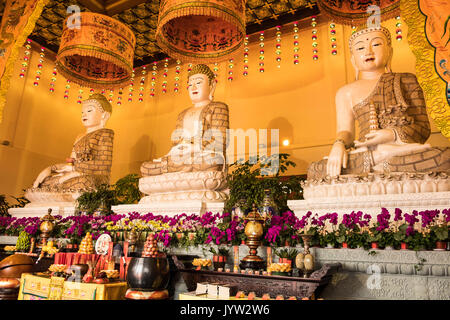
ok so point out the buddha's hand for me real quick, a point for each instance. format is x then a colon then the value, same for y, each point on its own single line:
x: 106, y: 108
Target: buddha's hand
x: 65, y: 168
x: 337, y: 159
x: 41, y: 177
x: 377, y: 137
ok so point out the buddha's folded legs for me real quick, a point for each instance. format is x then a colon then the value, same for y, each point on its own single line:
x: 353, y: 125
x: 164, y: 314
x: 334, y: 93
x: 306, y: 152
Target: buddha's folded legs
x: 432, y: 159
x: 204, y: 162
x: 83, y: 182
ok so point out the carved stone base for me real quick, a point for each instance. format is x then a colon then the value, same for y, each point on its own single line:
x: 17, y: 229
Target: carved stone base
x: 51, y: 198
x: 36, y: 211
x: 349, y: 186
x: 183, y: 181
x: 372, y: 204
x: 204, y: 196
x: 171, y: 208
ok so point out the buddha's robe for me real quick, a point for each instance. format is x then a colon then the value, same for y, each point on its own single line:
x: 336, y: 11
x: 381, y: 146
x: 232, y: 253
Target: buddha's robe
x: 204, y: 127
x: 400, y: 105
x: 93, y: 158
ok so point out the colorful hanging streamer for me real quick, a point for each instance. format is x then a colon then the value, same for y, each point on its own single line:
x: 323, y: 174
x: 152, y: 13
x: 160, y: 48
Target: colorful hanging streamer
x: 314, y: 38
x: 39, y: 67
x: 177, y: 76
x: 142, y: 83
x: 53, y: 80
x: 398, y: 31
x: 154, y: 74
x: 230, y: 69
x: 26, y: 58
x: 333, y: 39
x: 131, y: 87
x: 166, y: 70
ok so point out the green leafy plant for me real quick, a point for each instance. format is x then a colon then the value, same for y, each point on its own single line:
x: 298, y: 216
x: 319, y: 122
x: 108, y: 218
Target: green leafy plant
x: 220, y: 251
x: 102, y: 198
x: 249, y: 180
x: 127, y: 190
x: 286, y: 253
x: 439, y: 232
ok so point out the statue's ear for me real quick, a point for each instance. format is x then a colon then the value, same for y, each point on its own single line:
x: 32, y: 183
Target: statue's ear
x: 352, y: 59
x: 389, y: 62
x: 105, y: 117
x: 212, y: 90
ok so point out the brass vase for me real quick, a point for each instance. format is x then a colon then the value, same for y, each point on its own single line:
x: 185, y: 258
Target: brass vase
x: 254, y: 231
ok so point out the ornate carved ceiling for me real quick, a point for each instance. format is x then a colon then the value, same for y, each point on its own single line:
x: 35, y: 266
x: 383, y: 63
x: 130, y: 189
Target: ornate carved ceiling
x: 142, y: 17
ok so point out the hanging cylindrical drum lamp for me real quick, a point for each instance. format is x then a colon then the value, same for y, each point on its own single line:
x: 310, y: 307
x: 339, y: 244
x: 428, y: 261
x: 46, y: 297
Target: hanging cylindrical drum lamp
x: 204, y: 31
x: 96, y: 51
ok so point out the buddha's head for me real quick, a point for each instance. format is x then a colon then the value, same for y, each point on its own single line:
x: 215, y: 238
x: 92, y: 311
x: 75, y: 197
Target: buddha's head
x: 201, y: 83
x: 95, y: 111
x: 371, y: 49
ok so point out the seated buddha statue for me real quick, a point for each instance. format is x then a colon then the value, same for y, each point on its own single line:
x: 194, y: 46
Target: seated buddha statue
x: 199, y: 139
x: 89, y: 164
x: 195, y: 167
x: 391, y: 113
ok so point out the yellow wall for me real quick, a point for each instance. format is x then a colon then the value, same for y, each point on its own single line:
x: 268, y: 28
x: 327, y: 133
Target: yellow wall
x: 297, y: 99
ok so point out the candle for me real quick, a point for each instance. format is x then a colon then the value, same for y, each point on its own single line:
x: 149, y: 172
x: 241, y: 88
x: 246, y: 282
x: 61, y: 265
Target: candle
x: 269, y: 256
x: 236, y: 256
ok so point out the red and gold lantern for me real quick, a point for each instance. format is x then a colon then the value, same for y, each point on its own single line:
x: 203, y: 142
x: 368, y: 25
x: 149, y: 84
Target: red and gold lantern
x: 205, y: 31
x: 98, y: 53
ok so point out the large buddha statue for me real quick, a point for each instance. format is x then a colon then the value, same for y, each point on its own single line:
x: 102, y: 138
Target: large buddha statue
x: 195, y: 167
x: 392, y: 117
x: 89, y: 164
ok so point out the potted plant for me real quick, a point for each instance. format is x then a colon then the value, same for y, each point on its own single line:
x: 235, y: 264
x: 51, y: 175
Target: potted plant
x: 286, y: 255
x: 219, y: 257
x: 126, y: 190
x: 439, y: 235
x: 249, y: 180
x: 101, y: 199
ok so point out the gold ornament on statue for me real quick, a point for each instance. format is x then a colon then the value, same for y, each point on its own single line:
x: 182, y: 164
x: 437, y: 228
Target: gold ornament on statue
x: 46, y: 227
x: 254, y: 231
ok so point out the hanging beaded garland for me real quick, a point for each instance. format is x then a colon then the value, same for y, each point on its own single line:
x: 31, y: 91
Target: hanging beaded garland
x: 131, y: 87
x: 142, y: 83
x: 119, y: 97
x: 66, y: 92
x: 177, y: 76
x: 111, y: 94
x: 154, y: 74
x: 296, y: 44
x: 80, y: 96
x: 53, y: 80
x: 261, y: 51
x: 246, y: 50
x: 398, y: 31
x: 314, y: 38
x: 333, y: 39
x: 26, y: 58
x: 39, y: 67
x: 230, y: 71
x: 278, y: 46
x: 216, y: 69
x: 166, y: 70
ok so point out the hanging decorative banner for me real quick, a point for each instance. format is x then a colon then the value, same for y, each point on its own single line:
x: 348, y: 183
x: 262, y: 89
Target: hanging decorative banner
x: 98, y: 53
x: 428, y: 39
x: 18, y: 21
x: 204, y: 31
x: 355, y: 12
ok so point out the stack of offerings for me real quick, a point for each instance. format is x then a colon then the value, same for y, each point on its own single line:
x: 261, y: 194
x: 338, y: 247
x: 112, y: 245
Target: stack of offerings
x: 86, y: 245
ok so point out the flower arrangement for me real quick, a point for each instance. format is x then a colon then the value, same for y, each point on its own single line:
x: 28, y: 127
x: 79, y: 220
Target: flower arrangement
x: 419, y: 229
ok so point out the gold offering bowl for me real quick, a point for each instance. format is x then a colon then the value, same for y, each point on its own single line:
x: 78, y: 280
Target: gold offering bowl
x: 58, y: 268
x: 111, y: 274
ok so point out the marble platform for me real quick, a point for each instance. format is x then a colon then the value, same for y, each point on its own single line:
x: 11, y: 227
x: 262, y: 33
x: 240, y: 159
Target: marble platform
x: 372, y: 204
x: 63, y: 210
x: 171, y: 208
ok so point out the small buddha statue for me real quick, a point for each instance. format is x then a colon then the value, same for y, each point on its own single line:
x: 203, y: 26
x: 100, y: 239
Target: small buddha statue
x: 90, y: 162
x: 391, y: 112
x: 199, y: 139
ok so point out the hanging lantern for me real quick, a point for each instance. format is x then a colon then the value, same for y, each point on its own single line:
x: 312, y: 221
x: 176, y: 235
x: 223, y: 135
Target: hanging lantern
x: 204, y: 31
x: 99, y: 54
